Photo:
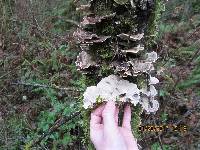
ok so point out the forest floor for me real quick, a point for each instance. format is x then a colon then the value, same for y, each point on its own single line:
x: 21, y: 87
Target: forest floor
x: 48, y: 59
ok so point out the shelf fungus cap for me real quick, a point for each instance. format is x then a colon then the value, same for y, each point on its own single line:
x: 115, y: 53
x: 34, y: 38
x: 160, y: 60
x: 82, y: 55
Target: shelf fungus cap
x: 152, y: 57
x: 92, y: 20
x: 88, y: 37
x: 136, y: 37
x: 141, y: 66
x: 150, y: 106
x: 112, y: 88
x: 153, y: 80
x: 134, y: 50
x: 151, y: 92
x: 122, y: 68
x: 90, y: 96
x: 121, y: 2
x: 84, y: 61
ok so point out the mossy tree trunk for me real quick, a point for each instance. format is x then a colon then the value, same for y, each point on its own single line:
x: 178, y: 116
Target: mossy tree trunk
x: 114, y: 32
x: 114, y: 37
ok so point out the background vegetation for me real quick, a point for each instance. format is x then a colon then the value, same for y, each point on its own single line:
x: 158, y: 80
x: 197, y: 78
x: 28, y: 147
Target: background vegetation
x: 40, y: 89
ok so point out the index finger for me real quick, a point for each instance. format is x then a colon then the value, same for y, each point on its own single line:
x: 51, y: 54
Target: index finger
x: 96, y: 115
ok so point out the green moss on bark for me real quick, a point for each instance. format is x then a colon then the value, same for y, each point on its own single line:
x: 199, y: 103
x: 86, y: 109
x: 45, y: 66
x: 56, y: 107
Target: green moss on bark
x: 153, y: 22
x: 143, y: 17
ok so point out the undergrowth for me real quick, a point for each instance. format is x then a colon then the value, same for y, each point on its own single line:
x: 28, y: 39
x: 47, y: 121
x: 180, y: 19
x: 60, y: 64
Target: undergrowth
x: 45, y: 86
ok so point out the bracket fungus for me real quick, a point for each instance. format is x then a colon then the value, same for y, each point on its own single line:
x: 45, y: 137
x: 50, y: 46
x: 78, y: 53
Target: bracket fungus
x: 136, y: 37
x: 141, y: 67
x: 134, y: 50
x: 113, y: 38
x: 150, y: 106
x: 152, y: 57
x: 93, y: 20
x: 121, y: 2
x: 114, y: 88
x: 88, y: 37
x: 153, y: 80
x: 84, y: 61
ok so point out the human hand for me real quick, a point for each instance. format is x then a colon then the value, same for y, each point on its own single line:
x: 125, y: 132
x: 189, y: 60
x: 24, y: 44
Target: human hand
x: 105, y: 133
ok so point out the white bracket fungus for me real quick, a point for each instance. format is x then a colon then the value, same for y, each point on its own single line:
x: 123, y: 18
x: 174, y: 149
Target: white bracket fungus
x: 136, y: 37
x: 141, y: 66
x: 153, y: 80
x: 136, y: 67
x: 152, y: 57
x: 150, y: 106
x: 84, y: 61
x: 134, y: 49
x: 147, y: 100
x: 115, y: 88
x: 112, y: 88
x: 151, y: 92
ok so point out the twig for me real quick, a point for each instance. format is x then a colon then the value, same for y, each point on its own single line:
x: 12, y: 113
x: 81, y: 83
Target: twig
x: 7, y: 73
x: 193, y: 57
x: 44, y: 86
x: 56, y: 125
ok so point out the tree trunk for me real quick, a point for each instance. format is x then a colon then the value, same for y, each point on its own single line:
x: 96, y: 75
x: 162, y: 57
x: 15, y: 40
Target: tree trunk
x: 114, y: 32
x: 115, y: 37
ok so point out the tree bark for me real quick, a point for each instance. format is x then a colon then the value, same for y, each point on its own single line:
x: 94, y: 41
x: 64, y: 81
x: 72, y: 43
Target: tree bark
x: 115, y: 37
x: 114, y: 33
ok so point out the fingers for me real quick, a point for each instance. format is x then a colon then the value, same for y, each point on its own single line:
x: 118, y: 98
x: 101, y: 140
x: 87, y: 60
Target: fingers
x: 108, y: 114
x: 96, y: 116
x: 127, y: 118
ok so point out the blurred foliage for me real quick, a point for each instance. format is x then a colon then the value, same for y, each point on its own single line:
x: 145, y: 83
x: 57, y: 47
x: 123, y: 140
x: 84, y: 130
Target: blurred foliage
x: 38, y: 34
x: 181, y: 18
x: 181, y: 9
x: 179, y: 15
x: 179, y: 65
x: 156, y: 146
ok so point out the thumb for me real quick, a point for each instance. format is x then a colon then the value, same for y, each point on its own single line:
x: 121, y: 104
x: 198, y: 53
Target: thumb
x: 108, y: 115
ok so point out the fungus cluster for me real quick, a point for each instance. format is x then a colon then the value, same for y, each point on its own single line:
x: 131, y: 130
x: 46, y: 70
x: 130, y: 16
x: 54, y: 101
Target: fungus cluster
x: 114, y: 88
x: 113, y: 34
